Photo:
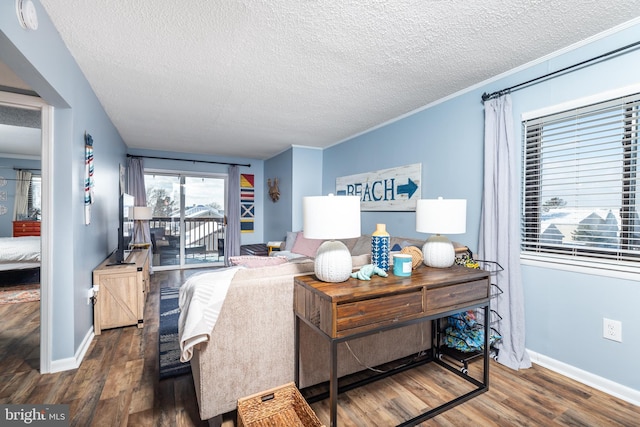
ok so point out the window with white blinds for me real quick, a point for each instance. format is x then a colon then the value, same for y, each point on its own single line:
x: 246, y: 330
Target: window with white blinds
x: 580, y: 182
x: 34, y: 206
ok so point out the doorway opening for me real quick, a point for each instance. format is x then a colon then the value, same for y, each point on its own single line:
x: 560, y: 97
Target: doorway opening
x: 42, y: 214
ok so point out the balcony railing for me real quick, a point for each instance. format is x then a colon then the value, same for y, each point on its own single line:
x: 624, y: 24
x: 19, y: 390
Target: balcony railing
x: 203, y: 240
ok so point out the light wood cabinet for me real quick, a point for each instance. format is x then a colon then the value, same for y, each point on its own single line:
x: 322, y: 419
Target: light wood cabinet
x: 26, y: 228
x: 122, y: 292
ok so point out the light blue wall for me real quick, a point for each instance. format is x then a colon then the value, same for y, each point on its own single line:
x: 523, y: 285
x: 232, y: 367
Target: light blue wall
x: 306, y: 173
x: 278, y: 215
x: 451, y: 157
x: 300, y: 172
x: 256, y: 168
x: 41, y: 60
x: 7, y: 171
x: 564, y: 310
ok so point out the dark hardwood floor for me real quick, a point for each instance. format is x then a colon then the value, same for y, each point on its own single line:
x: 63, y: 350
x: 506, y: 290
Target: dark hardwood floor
x: 117, y: 385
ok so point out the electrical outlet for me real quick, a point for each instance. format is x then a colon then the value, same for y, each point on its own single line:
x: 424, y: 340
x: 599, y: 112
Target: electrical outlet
x: 612, y: 329
x: 89, y: 296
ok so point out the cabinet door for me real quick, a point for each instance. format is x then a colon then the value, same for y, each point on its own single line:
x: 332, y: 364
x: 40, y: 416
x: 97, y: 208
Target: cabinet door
x: 119, y: 299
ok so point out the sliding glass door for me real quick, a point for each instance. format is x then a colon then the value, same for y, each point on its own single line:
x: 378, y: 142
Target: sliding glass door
x: 187, y: 229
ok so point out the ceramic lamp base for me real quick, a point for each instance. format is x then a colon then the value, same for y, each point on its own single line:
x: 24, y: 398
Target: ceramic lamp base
x: 438, y: 252
x: 333, y: 262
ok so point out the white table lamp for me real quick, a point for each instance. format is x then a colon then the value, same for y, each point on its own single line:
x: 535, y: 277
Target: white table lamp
x: 440, y: 216
x: 327, y: 218
x: 141, y: 213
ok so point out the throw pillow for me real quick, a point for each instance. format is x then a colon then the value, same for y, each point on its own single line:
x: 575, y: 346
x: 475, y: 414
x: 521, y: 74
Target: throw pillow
x: 304, y: 246
x: 290, y: 240
x: 251, y: 261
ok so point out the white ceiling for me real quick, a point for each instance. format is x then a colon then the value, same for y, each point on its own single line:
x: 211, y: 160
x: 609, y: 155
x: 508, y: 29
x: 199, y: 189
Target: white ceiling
x: 19, y: 142
x: 252, y: 77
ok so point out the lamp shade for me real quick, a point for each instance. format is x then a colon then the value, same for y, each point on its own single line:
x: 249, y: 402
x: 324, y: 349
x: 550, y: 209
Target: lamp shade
x: 142, y: 213
x: 441, y: 216
x: 331, y: 217
x: 327, y: 218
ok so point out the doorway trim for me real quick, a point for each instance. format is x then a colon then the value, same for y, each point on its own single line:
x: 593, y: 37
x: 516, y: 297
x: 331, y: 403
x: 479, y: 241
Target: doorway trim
x: 46, y: 165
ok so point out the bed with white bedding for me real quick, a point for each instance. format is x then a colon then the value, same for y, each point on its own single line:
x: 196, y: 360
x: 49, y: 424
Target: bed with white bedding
x: 17, y: 253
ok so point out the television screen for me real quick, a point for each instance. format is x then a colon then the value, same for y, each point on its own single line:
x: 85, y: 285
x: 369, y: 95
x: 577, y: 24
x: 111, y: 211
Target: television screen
x: 125, y: 226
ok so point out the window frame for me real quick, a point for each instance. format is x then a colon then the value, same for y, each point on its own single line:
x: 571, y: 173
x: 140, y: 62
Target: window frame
x: 533, y: 251
x: 181, y: 176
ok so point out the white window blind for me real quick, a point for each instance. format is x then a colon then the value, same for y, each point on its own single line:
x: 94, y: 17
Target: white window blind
x: 34, y: 197
x: 580, y: 182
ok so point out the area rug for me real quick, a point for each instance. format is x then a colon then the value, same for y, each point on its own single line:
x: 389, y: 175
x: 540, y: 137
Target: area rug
x: 20, y: 293
x: 170, y: 365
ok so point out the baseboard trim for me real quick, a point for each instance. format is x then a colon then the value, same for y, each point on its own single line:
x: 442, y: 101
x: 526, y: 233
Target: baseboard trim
x: 75, y: 361
x: 607, y: 386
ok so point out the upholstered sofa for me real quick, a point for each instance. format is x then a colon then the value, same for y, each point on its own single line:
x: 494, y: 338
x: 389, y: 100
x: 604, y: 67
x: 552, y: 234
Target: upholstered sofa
x: 251, y: 348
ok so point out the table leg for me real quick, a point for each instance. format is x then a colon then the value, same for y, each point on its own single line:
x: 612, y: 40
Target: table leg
x: 333, y: 384
x: 296, y: 346
x: 487, y: 350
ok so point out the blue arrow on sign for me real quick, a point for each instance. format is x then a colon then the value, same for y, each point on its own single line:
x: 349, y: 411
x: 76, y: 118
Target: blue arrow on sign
x: 408, y: 188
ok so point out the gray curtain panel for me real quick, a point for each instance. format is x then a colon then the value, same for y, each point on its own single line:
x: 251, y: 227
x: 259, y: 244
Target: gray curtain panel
x: 232, y: 238
x: 136, y: 188
x: 499, y: 237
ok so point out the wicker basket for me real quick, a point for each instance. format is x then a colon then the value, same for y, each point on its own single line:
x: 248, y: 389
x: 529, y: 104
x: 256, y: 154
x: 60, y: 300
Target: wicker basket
x: 281, y: 406
x: 416, y: 255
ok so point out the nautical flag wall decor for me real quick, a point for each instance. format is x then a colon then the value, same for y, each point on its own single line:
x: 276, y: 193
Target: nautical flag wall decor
x: 247, y: 202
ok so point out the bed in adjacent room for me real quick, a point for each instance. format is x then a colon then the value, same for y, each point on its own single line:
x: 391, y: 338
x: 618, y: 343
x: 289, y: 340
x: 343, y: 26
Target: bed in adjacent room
x: 18, y: 253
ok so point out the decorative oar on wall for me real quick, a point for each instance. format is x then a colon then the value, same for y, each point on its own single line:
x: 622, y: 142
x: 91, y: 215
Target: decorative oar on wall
x: 88, y: 178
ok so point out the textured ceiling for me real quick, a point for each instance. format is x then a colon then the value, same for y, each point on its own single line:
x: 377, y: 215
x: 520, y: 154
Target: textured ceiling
x: 251, y: 78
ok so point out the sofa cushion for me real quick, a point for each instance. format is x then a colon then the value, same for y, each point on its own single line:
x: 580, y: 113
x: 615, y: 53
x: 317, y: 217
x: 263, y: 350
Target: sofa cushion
x: 305, y: 246
x: 403, y: 242
x: 362, y: 246
x: 350, y: 243
x: 291, y: 268
x: 251, y: 261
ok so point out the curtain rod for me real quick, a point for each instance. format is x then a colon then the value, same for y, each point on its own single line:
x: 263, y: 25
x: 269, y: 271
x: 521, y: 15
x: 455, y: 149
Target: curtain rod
x: 194, y: 161
x: 492, y: 95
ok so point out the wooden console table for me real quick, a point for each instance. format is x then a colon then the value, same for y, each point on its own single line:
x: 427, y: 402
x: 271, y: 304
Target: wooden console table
x: 343, y: 311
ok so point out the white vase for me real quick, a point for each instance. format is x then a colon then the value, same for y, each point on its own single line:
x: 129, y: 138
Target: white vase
x: 333, y: 262
x: 438, y: 252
